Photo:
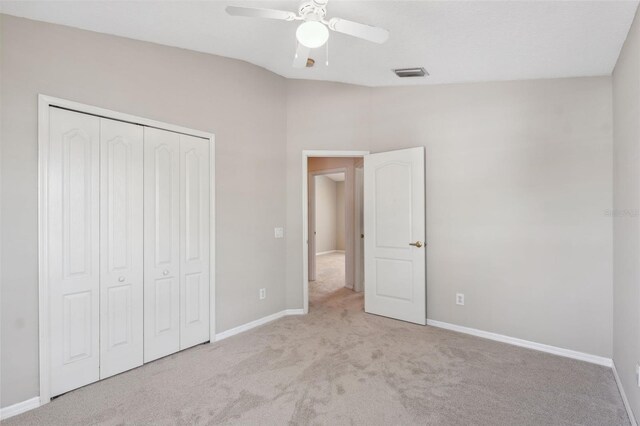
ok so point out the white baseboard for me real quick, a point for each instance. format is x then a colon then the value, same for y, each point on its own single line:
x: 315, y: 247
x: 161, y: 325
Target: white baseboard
x: 19, y: 408
x: 253, y: 324
x: 594, y: 359
x: 329, y: 252
x: 627, y: 406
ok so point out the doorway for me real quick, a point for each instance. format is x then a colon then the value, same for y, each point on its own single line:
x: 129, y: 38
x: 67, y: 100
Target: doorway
x: 391, y: 226
x: 320, y: 164
x: 327, y: 228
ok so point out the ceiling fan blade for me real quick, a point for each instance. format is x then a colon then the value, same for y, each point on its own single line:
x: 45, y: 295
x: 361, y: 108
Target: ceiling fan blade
x: 366, y: 32
x: 255, y: 12
x: 302, y: 54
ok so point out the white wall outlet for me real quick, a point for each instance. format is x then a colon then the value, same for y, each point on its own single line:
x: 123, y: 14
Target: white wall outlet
x: 278, y: 232
x: 638, y: 374
x: 262, y: 293
x: 460, y: 299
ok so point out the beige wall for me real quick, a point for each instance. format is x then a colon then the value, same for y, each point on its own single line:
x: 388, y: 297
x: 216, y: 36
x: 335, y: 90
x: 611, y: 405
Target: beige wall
x: 518, y: 174
x: 326, y: 218
x: 242, y: 104
x: 340, y: 216
x: 626, y: 227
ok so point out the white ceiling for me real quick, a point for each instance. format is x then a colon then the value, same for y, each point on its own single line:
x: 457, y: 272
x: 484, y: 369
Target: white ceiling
x: 455, y: 41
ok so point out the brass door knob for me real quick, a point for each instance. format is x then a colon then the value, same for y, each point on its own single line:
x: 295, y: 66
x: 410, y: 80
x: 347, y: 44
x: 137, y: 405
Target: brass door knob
x: 416, y: 244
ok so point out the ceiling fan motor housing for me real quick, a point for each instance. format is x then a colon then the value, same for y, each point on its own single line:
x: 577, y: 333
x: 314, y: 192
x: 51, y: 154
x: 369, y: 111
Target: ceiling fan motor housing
x: 313, y: 10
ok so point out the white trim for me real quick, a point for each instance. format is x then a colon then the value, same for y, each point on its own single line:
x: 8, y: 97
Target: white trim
x: 594, y: 359
x: 44, y: 102
x: 306, y: 154
x: 261, y: 321
x: 19, y: 408
x: 43, y: 286
x: 627, y: 406
x: 329, y: 252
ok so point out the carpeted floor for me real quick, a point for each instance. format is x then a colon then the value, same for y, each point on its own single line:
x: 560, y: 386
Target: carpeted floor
x: 340, y: 366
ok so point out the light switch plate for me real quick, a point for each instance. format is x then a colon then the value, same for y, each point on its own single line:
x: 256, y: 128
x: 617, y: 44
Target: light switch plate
x: 460, y: 299
x: 278, y: 232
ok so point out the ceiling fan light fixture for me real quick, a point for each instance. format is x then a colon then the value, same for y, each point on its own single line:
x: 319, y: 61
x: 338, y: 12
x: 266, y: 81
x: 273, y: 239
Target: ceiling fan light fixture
x: 312, y: 34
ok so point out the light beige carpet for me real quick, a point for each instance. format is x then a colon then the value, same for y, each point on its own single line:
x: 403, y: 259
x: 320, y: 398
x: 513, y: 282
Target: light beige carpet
x: 340, y: 366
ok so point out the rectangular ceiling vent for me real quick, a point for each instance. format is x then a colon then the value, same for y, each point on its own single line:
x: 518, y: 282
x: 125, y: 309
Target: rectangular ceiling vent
x: 410, y: 72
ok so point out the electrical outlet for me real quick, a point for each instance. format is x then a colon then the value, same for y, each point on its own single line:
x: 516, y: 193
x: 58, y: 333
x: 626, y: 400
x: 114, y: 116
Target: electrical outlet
x: 262, y: 293
x: 278, y: 232
x: 638, y: 374
x: 460, y: 299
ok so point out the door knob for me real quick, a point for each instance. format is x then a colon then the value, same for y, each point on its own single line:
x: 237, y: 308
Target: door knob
x: 416, y: 244
x: 121, y: 279
x: 165, y: 272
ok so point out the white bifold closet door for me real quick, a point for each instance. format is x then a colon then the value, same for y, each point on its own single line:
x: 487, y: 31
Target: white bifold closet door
x: 121, y: 247
x: 194, y: 241
x: 127, y: 245
x: 176, y: 226
x: 94, y: 246
x: 72, y: 248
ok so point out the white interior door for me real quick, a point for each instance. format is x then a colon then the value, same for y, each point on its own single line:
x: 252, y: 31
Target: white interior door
x: 121, y: 249
x: 394, y: 223
x: 194, y: 241
x: 161, y: 243
x: 73, y: 272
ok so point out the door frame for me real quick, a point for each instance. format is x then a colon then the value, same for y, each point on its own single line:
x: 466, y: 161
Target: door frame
x: 44, y: 103
x: 306, y: 154
x: 359, y: 228
x: 312, y: 211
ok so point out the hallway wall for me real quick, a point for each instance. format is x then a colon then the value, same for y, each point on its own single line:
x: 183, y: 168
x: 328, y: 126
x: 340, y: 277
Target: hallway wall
x: 326, y: 214
x: 626, y: 215
x: 340, y: 216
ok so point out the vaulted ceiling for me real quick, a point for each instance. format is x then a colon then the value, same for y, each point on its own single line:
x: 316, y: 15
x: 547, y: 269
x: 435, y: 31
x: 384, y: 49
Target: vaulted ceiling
x: 456, y: 41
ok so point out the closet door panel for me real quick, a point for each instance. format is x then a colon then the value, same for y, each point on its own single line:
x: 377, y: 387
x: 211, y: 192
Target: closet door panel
x: 162, y: 243
x: 194, y: 241
x: 72, y: 244
x: 121, y: 247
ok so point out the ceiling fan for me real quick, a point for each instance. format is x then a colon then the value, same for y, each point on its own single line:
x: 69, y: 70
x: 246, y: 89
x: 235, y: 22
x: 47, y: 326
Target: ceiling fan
x: 314, y: 31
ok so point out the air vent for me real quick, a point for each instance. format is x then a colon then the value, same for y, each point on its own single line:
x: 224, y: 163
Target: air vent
x: 410, y: 72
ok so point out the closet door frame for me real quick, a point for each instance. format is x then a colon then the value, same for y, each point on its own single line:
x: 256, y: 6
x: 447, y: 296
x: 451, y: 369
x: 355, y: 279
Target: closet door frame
x: 44, y: 103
